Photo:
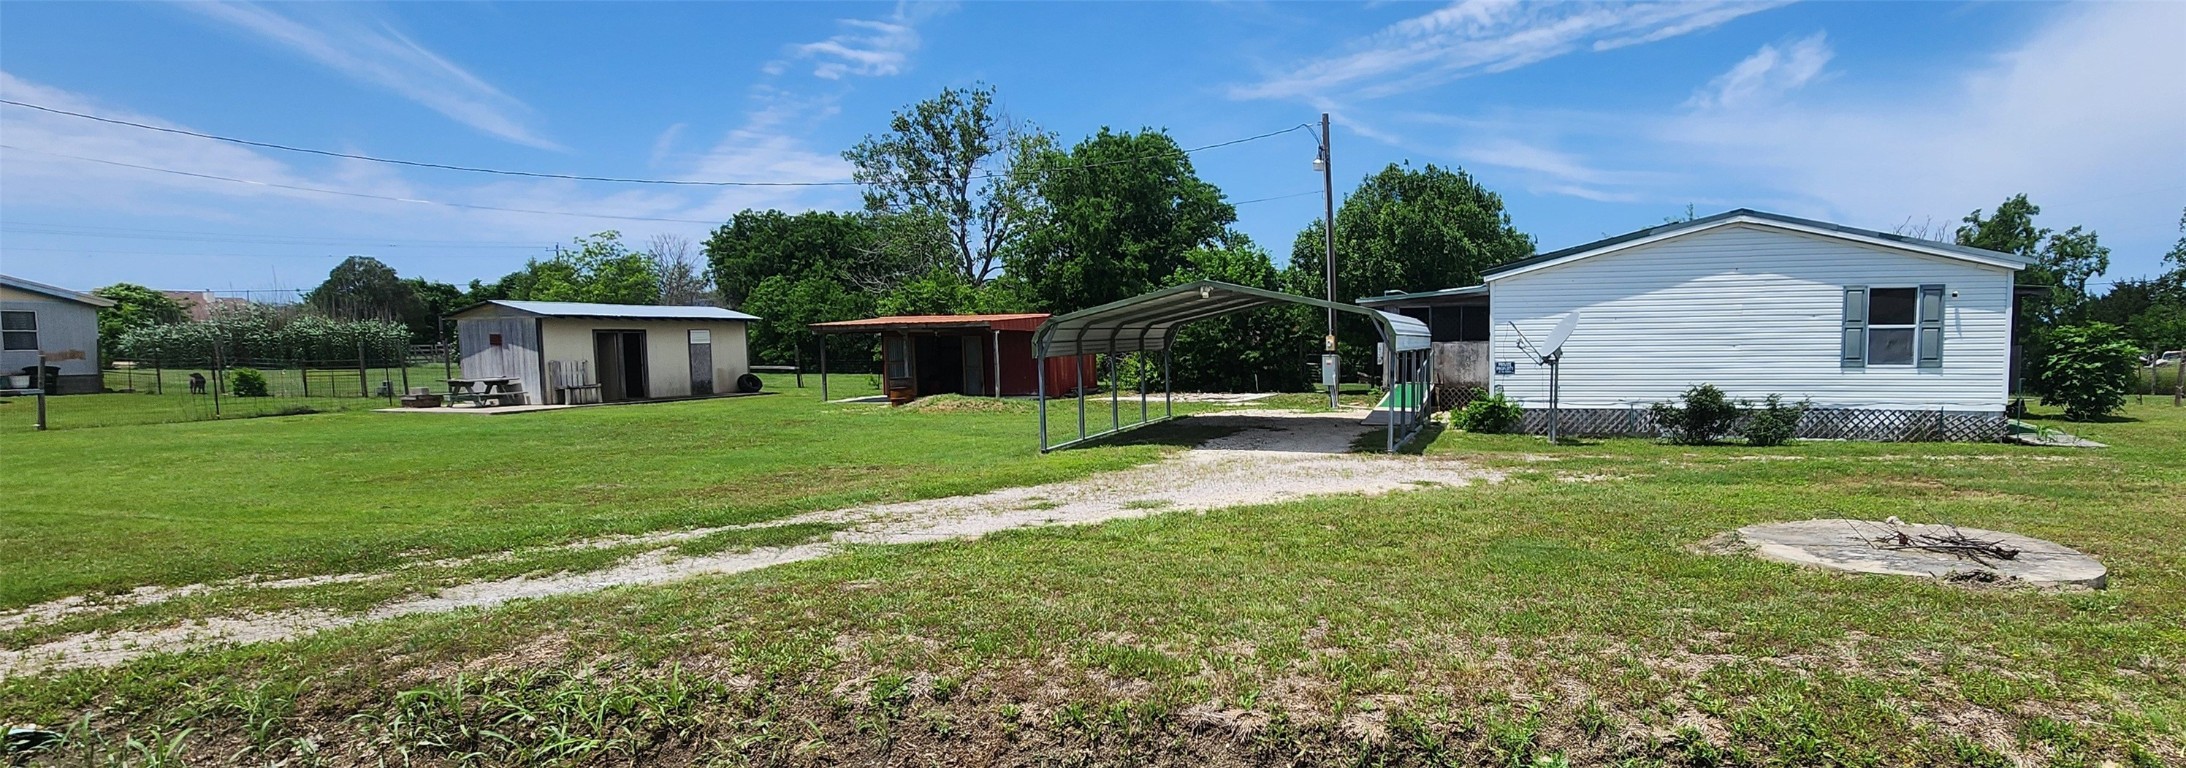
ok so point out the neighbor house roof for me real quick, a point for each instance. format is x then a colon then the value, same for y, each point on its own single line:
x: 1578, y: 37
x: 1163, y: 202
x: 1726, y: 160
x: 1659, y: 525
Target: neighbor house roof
x: 1398, y: 297
x: 1749, y: 217
x: 578, y: 309
x: 1010, y: 322
x: 64, y: 294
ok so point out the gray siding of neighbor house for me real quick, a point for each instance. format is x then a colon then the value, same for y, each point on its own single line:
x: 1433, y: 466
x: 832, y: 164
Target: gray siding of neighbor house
x: 68, y: 333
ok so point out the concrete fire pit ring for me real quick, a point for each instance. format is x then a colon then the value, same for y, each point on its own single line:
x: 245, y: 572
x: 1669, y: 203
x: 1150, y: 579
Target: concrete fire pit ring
x: 1866, y: 546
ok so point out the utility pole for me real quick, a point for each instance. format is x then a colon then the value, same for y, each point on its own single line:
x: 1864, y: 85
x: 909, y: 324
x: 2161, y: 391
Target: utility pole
x: 1328, y: 261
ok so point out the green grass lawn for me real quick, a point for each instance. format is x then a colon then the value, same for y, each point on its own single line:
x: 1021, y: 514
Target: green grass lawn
x: 109, y: 509
x: 1561, y: 617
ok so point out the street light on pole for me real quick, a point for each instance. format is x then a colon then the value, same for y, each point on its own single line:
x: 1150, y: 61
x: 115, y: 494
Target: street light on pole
x: 1329, y: 361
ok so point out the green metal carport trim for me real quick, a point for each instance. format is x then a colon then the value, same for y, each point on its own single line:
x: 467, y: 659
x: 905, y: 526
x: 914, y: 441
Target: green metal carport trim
x: 1148, y: 322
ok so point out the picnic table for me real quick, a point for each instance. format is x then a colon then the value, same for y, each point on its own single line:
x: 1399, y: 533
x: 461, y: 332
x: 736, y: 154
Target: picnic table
x: 499, y: 389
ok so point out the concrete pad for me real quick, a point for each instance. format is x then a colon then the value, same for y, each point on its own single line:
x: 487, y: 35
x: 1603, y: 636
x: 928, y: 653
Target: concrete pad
x: 1865, y: 546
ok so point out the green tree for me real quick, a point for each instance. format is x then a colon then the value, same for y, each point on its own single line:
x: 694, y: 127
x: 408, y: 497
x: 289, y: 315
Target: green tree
x: 135, y: 306
x: 430, y: 302
x: 599, y: 268
x: 362, y: 287
x: 2067, y: 261
x: 1268, y: 349
x: 786, y: 304
x: 1406, y: 230
x: 2010, y: 230
x: 941, y: 291
x: 756, y: 245
x: 2089, y: 369
x: 1124, y: 212
x: 951, y: 158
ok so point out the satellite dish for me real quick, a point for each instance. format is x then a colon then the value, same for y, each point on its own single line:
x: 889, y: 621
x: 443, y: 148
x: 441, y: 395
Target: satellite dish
x: 1561, y: 334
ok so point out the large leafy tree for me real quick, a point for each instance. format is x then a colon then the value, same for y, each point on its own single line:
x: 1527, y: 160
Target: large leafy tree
x: 756, y: 245
x: 2009, y: 230
x: 1268, y: 349
x: 796, y: 269
x: 135, y: 306
x: 1124, y: 212
x: 431, y: 301
x: 596, y: 268
x: 362, y: 287
x: 1406, y: 230
x: 954, y: 159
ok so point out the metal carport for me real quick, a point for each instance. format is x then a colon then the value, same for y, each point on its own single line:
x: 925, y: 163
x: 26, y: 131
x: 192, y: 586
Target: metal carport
x: 1148, y: 323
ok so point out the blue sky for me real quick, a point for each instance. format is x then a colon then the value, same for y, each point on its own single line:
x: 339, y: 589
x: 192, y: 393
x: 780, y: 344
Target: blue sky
x: 1590, y: 119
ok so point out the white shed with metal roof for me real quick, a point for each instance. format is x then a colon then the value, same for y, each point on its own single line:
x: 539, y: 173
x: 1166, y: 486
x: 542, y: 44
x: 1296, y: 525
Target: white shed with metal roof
x: 561, y: 352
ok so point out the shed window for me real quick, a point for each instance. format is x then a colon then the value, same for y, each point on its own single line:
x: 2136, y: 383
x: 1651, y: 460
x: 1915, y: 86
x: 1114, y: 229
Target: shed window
x: 19, y: 330
x: 493, y: 339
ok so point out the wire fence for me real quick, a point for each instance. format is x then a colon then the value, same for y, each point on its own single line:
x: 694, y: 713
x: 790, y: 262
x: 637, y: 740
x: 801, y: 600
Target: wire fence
x: 159, y: 391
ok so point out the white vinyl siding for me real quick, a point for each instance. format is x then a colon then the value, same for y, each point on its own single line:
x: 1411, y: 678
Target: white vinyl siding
x: 1755, y: 311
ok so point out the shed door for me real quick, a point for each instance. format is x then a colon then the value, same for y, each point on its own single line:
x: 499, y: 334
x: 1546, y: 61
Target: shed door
x: 975, y: 367
x: 701, y: 362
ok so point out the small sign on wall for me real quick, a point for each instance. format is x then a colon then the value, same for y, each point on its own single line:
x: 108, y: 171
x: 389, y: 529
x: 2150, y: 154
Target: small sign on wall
x: 1505, y: 367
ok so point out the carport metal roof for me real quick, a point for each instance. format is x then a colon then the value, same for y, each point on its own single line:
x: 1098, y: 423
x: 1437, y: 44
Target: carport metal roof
x: 1148, y: 322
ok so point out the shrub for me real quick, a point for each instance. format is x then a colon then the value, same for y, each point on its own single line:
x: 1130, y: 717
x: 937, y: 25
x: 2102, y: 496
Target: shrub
x: 1489, y: 414
x: 1706, y: 416
x: 1774, y: 422
x: 248, y: 382
x: 2089, y: 369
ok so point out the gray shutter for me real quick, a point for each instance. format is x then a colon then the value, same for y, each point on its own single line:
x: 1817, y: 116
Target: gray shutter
x: 1854, y: 353
x: 1931, y: 327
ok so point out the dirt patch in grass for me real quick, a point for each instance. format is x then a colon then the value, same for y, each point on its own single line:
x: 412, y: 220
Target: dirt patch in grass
x: 1257, y: 459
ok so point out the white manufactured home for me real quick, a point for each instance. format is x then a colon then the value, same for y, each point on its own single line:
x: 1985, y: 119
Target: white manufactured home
x: 1888, y: 336
x: 569, y: 352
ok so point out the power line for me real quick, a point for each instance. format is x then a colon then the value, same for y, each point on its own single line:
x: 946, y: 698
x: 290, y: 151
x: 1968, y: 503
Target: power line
x: 578, y: 177
x: 363, y: 195
x: 1315, y: 192
x: 243, y: 239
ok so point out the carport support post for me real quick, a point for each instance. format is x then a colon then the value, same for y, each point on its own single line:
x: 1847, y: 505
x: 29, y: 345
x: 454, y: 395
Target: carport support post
x: 997, y: 364
x: 1115, y: 404
x: 1168, y: 391
x: 1077, y: 374
x: 1039, y: 367
x: 823, y: 370
x: 1142, y: 394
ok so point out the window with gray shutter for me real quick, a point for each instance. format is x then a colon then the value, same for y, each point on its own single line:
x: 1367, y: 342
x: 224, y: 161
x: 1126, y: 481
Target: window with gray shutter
x: 1892, y: 327
x: 1931, y: 326
x: 1854, y: 354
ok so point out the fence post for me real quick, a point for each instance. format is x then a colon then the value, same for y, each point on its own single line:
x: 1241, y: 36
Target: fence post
x: 159, y: 377
x: 217, y: 378
x: 364, y: 379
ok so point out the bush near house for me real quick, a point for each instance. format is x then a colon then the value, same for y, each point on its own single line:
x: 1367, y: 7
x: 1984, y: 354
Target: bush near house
x: 1774, y: 423
x: 1705, y: 417
x: 2089, y: 370
x: 1490, y: 414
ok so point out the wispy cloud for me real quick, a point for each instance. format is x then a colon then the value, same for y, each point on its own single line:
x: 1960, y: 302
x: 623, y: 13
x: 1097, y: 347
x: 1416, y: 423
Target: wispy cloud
x: 1932, y: 144
x: 379, y: 55
x: 868, y: 47
x: 1768, y: 73
x: 1474, y: 37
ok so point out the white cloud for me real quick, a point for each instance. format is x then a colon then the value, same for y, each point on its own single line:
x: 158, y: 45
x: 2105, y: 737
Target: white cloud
x: 1474, y: 37
x: 379, y: 55
x: 1767, y: 74
x: 39, y: 180
x: 867, y: 47
x: 2085, y: 115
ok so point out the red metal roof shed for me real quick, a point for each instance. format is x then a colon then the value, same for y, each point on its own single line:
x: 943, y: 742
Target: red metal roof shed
x: 963, y: 354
